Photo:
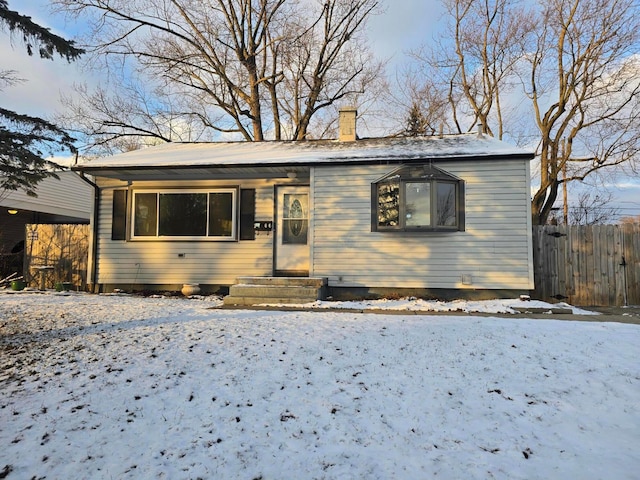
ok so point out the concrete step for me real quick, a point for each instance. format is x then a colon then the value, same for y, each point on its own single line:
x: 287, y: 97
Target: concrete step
x: 233, y: 300
x: 280, y: 290
x: 292, y: 281
x: 267, y: 291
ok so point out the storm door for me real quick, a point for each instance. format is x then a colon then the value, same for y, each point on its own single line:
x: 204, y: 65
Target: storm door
x: 292, y: 231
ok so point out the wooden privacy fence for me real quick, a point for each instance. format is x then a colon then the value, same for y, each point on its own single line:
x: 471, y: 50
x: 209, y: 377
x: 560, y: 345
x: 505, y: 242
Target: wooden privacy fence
x: 58, y: 254
x: 587, y: 265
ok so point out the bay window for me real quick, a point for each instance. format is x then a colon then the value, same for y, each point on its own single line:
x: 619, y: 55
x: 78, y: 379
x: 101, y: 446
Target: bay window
x: 418, y: 198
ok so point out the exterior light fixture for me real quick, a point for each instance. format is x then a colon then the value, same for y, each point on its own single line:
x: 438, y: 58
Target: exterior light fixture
x: 12, y: 211
x: 292, y: 174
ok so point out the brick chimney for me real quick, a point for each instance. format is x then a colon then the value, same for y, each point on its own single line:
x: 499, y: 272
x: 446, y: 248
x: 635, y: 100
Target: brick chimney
x: 347, y: 124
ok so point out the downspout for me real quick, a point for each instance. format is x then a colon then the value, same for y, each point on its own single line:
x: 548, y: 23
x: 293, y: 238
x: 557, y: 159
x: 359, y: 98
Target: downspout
x: 93, y: 254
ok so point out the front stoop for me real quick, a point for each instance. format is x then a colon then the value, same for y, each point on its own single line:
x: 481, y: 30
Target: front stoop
x: 276, y: 290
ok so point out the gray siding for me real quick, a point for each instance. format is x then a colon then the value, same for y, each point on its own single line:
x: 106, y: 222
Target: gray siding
x: 494, y: 251
x: 158, y: 262
x: 68, y: 196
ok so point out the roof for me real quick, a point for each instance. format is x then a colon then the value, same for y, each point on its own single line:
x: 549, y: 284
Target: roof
x: 67, y: 195
x: 272, y: 154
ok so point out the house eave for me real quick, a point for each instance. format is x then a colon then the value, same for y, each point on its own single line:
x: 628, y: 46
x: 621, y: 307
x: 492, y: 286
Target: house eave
x: 273, y: 170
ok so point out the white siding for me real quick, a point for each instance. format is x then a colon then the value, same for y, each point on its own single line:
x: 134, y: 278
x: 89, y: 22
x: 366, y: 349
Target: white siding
x: 206, y: 262
x: 494, y: 250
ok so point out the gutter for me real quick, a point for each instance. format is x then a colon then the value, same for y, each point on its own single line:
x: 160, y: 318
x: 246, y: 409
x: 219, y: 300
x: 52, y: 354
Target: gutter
x: 93, y: 252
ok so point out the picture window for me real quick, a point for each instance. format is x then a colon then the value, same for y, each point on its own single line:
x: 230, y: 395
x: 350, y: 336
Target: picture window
x: 180, y: 214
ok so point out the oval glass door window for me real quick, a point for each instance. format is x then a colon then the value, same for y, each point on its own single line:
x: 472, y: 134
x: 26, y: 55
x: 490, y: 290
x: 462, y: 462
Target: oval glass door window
x: 295, y: 219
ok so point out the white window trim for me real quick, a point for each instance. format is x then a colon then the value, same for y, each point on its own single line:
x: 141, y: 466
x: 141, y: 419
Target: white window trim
x: 205, y: 238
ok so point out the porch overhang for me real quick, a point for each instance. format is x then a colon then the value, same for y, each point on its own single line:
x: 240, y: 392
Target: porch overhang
x: 198, y: 172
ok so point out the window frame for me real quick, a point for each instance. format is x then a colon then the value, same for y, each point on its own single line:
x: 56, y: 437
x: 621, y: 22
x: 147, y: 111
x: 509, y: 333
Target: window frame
x: 234, y: 191
x: 418, y: 173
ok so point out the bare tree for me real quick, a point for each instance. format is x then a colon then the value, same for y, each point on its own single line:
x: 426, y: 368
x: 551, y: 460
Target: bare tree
x: 475, y: 60
x: 576, y: 64
x: 414, y: 102
x: 254, y: 67
x: 9, y: 78
x: 489, y: 40
x: 593, y: 209
x: 422, y: 100
x: 585, y: 91
x: 328, y: 62
x: 131, y: 117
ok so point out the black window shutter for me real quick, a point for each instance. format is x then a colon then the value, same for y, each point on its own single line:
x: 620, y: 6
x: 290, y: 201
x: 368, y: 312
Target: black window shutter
x: 119, y: 217
x: 461, y: 207
x: 247, y: 213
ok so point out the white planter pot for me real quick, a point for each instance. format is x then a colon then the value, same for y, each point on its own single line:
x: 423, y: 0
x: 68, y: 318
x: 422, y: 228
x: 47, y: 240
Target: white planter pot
x: 189, y: 289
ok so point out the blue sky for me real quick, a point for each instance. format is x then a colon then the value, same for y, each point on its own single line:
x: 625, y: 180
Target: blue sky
x: 405, y: 24
x: 45, y: 79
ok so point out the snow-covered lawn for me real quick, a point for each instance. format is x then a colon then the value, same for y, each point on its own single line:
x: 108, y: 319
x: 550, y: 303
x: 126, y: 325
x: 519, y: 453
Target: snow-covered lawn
x: 126, y: 387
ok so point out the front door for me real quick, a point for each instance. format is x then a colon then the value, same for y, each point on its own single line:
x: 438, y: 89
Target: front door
x: 292, y: 231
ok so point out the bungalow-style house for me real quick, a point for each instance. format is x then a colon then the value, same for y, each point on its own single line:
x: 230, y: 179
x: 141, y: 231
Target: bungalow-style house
x: 442, y: 216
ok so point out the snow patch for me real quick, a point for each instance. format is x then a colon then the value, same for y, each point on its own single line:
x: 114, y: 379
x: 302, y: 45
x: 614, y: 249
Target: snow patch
x: 119, y: 386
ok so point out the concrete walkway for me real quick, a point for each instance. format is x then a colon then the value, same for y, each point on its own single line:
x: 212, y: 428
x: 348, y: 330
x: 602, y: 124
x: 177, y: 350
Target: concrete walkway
x: 629, y: 314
